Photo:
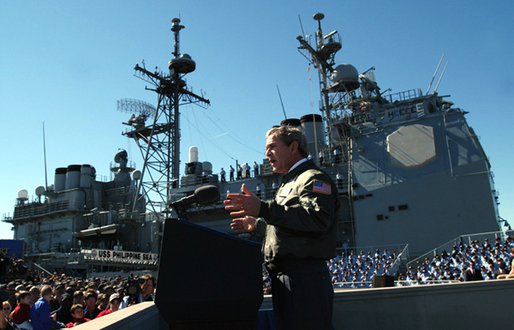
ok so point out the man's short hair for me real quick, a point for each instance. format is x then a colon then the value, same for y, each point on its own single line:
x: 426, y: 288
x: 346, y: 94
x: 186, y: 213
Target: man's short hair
x: 289, y: 134
x: 46, y: 290
x: 34, y: 290
x: 90, y: 293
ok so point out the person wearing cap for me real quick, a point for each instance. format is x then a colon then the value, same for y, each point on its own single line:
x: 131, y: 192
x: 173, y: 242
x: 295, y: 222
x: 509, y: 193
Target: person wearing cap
x: 299, y: 227
x: 77, y: 313
x: 20, y: 316
x: 91, y: 310
x: 114, y: 305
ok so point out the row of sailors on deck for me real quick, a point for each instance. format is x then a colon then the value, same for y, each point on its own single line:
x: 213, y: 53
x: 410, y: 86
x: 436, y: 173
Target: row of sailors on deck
x: 243, y: 172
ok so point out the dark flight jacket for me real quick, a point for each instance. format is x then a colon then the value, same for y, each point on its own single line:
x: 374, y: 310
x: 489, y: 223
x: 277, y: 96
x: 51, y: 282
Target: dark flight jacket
x: 300, y: 223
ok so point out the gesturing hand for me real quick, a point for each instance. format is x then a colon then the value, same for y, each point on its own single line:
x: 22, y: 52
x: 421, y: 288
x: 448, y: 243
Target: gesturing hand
x: 243, y: 225
x: 240, y: 205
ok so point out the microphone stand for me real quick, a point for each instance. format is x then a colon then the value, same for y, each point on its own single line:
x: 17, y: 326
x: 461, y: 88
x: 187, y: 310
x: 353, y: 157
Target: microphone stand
x: 181, y: 212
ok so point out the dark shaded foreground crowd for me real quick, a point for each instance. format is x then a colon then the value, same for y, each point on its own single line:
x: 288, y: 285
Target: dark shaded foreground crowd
x: 52, y: 302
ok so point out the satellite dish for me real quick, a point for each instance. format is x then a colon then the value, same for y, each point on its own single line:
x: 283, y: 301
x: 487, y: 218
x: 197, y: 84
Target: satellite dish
x: 121, y: 156
x: 40, y: 190
x: 23, y: 194
x: 136, y: 175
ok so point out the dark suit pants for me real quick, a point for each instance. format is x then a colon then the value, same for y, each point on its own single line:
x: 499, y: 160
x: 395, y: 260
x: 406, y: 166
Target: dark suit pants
x: 302, y: 298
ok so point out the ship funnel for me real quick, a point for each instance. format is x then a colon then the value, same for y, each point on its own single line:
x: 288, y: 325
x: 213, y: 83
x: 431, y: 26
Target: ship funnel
x: 294, y: 122
x: 86, y: 176
x: 313, y: 129
x: 73, y: 177
x: 60, y: 179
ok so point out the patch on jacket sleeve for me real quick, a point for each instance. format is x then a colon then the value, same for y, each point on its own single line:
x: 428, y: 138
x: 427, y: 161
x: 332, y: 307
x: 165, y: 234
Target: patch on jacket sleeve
x: 322, y: 187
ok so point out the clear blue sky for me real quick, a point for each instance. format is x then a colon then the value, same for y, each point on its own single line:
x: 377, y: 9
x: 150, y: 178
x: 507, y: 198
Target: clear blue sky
x: 66, y: 63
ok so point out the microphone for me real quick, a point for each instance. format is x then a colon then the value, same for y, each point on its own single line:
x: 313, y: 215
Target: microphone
x: 203, y: 195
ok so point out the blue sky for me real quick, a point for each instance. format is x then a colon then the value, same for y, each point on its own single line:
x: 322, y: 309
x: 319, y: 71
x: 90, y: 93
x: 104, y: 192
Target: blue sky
x: 66, y: 63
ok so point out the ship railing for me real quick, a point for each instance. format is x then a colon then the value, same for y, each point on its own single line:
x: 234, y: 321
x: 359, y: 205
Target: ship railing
x: 400, y: 249
x: 423, y: 282
x: 35, y: 209
x: 402, y: 96
x: 466, y: 239
x: 369, y: 284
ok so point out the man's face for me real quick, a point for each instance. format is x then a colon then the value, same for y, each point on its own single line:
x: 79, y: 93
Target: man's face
x: 147, y: 287
x: 280, y: 156
x: 115, y: 305
x: 90, y: 301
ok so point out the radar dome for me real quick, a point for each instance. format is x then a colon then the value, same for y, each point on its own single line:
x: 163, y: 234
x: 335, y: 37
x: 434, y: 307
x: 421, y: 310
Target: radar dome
x: 347, y: 75
x: 207, y: 167
x: 23, y: 194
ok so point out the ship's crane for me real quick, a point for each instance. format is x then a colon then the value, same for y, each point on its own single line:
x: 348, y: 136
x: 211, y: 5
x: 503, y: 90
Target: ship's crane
x: 159, y: 138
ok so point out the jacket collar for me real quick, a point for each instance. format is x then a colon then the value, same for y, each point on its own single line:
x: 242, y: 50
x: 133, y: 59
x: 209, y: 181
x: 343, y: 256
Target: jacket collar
x: 297, y: 170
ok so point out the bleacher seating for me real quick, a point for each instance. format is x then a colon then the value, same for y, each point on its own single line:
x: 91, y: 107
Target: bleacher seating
x: 443, y: 266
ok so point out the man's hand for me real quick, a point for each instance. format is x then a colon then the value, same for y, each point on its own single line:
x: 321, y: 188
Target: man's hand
x: 240, y: 205
x: 243, y: 225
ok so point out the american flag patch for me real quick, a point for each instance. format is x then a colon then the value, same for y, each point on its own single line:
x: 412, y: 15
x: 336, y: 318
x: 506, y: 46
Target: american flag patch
x: 322, y: 188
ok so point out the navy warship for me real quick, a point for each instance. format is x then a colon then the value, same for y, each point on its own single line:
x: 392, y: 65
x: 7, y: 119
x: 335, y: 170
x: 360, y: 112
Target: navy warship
x: 409, y: 169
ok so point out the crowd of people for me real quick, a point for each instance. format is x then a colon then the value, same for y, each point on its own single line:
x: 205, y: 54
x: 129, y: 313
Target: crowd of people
x: 59, y: 301
x: 465, y: 262
x: 350, y: 270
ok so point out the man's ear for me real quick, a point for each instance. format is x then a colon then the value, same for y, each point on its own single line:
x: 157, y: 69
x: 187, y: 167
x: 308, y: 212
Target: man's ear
x: 294, y: 147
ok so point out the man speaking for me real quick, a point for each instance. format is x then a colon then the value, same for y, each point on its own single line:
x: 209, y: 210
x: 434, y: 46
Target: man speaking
x: 299, y: 228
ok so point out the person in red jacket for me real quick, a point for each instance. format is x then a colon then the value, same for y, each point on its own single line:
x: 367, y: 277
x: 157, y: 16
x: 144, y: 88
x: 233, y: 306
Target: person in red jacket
x: 77, y: 312
x: 114, y: 305
x: 21, y: 314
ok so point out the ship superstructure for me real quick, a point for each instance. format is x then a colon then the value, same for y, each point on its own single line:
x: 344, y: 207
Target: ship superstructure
x: 81, y: 224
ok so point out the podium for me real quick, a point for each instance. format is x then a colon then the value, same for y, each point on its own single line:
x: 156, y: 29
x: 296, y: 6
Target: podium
x: 207, y: 279
x: 382, y: 281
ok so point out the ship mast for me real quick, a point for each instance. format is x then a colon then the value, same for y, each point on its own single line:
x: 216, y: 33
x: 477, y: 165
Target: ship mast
x: 323, y: 60
x: 159, y: 142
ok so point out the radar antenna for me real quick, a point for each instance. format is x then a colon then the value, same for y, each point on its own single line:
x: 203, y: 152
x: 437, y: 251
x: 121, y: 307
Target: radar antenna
x: 435, y: 74
x: 159, y: 140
